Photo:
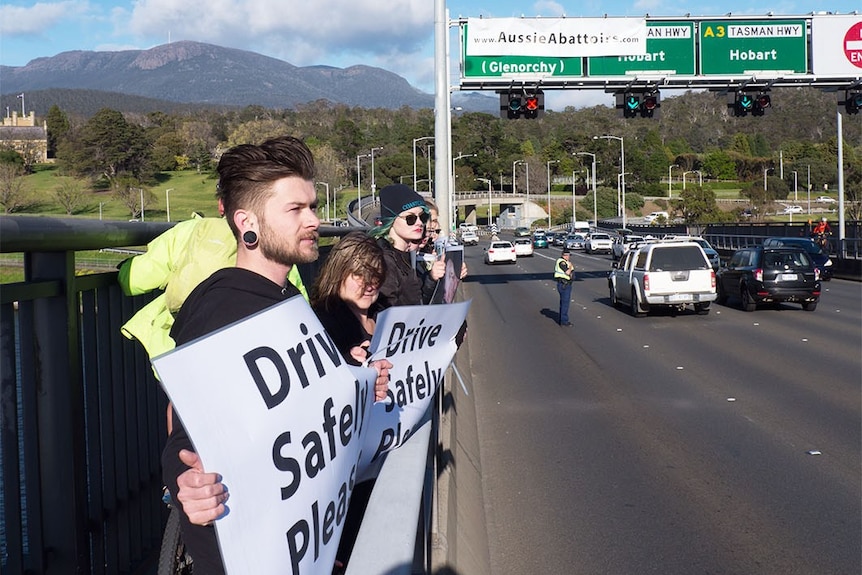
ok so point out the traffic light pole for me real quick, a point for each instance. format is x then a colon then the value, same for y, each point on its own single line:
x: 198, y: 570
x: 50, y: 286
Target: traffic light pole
x: 442, y: 117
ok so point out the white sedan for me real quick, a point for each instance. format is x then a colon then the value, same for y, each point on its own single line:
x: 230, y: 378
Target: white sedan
x: 523, y: 247
x: 826, y: 200
x: 792, y: 210
x: 500, y: 252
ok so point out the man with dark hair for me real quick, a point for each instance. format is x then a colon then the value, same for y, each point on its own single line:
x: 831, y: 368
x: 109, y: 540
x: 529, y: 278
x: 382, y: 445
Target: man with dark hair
x: 270, y: 204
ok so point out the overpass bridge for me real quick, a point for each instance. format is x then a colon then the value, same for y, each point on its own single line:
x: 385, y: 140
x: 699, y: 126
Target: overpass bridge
x: 84, y: 425
x: 518, y: 209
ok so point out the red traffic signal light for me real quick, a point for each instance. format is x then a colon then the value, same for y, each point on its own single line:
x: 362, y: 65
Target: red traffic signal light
x: 634, y: 104
x: 744, y: 104
x: 520, y: 104
x: 650, y: 105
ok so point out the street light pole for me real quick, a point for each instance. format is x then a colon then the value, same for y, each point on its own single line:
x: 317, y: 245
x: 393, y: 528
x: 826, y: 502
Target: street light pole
x: 549, y: 189
x: 142, y: 203
x: 515, y: 163
x: 620, y: 187
x: 490, y: 205
x: 764, y: 177
x: 452, y: 206
x: 327, y: 199
x: 669, y: 180
x: 795, y: 188
x: 430, y: 175
x: 373, y: 185
x: 619, y: 177
x: 595, y: 202
x: 414, y: 158
x: 359, y: 185
x: 168, y: 202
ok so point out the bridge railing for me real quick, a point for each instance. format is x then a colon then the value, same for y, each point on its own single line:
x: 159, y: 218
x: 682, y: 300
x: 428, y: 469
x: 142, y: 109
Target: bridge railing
x: 83, y: 421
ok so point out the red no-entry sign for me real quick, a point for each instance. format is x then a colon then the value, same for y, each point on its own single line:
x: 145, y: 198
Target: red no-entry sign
x: 853, y: 44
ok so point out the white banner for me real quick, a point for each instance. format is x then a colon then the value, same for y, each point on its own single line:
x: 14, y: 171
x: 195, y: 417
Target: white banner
x: 271, y: 405
x: 560, y: 37
x: 420, y: 342
x: 836, y: 45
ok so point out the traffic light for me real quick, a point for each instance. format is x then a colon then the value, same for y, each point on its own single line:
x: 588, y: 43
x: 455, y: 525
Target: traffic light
x: 744, y: 104
x: 853, y: 101
x: 631, y: 105
x: 761, y: 104
x: 522, y: 104
x: 532, y: 106
x: 650, y: 105
x: 634, y: 104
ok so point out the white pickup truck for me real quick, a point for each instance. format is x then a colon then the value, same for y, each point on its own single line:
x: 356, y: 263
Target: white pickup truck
x: 673, y: 274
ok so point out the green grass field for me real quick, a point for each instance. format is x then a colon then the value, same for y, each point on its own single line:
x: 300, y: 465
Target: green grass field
x: 182, y: 192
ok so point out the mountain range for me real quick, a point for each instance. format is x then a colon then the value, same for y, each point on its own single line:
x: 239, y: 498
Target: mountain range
x: 197, y: 73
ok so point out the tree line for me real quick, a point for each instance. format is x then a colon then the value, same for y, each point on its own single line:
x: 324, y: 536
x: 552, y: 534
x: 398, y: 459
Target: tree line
x: 124, y: 152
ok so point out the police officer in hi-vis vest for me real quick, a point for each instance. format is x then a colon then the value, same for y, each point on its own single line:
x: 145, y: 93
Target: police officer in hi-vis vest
x: 564, y: 273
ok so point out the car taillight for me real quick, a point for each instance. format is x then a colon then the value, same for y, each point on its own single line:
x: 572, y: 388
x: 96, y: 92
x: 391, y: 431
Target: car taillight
x: 712, y: 279
x: 646, y: 282
x: 758, y: 274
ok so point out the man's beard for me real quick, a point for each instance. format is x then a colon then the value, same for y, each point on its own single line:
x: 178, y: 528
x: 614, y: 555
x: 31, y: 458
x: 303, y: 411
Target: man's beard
x: 285, y: 253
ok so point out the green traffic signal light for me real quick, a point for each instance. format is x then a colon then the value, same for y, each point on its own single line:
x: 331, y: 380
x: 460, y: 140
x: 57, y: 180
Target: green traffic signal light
x: 631, y: 106
x: 853, y: 101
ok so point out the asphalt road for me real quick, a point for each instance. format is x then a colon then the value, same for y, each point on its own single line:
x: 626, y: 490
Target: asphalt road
x: 672, y: 444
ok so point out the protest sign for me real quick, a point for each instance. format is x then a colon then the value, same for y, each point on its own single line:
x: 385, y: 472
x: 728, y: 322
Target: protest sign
x: 444, y: 290
x: 420, y: 343
x: 271, y: 405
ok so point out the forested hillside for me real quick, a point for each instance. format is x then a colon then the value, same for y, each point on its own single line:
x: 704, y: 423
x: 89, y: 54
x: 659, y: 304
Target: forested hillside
x: 123, y: 149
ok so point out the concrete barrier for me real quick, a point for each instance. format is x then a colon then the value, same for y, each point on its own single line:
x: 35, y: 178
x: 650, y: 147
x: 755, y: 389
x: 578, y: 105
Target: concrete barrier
x: 459, y: 537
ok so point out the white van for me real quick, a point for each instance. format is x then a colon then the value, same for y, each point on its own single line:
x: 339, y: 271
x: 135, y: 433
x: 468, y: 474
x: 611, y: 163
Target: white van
x: 582, y: 228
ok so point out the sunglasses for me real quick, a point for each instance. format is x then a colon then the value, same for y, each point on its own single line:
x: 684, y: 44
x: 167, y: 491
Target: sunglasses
x: 411, y: 218
x: 435, y: 232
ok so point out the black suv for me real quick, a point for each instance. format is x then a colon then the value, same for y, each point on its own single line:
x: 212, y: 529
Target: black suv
x: 816, y: 253
x: 764, y: 274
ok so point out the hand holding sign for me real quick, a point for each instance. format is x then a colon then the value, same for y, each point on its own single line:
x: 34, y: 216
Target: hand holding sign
x: 202, y: 495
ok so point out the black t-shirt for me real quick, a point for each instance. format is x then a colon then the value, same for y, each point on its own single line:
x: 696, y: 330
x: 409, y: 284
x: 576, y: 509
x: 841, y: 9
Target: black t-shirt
x: 344, y: 327
x: 227, y: 296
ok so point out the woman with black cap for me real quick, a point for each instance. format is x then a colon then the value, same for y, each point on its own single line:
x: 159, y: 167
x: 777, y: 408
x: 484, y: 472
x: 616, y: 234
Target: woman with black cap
x: 404, y: 215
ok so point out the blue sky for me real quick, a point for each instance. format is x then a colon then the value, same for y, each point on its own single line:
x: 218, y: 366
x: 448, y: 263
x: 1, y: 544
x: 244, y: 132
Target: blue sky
x: 396, y: 35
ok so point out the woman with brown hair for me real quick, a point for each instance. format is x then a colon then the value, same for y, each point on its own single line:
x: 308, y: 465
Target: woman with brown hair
x: 345, y: 292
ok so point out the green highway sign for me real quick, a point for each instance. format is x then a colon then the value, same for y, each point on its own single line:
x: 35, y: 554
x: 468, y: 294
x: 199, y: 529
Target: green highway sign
x: 520, y: 66
x: 741, y: 47
x: 670, y: 49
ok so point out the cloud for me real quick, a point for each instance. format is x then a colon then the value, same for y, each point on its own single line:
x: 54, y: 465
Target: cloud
x: 36, y: 19
x: 549, y: 8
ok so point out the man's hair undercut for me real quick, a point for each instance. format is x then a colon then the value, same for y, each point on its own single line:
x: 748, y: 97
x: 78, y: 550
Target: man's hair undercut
x: 247, y: 171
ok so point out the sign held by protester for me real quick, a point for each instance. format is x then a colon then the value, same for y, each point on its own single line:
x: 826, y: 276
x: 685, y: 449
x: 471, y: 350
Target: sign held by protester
x: 271, y: 405
x: 420, y: 342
